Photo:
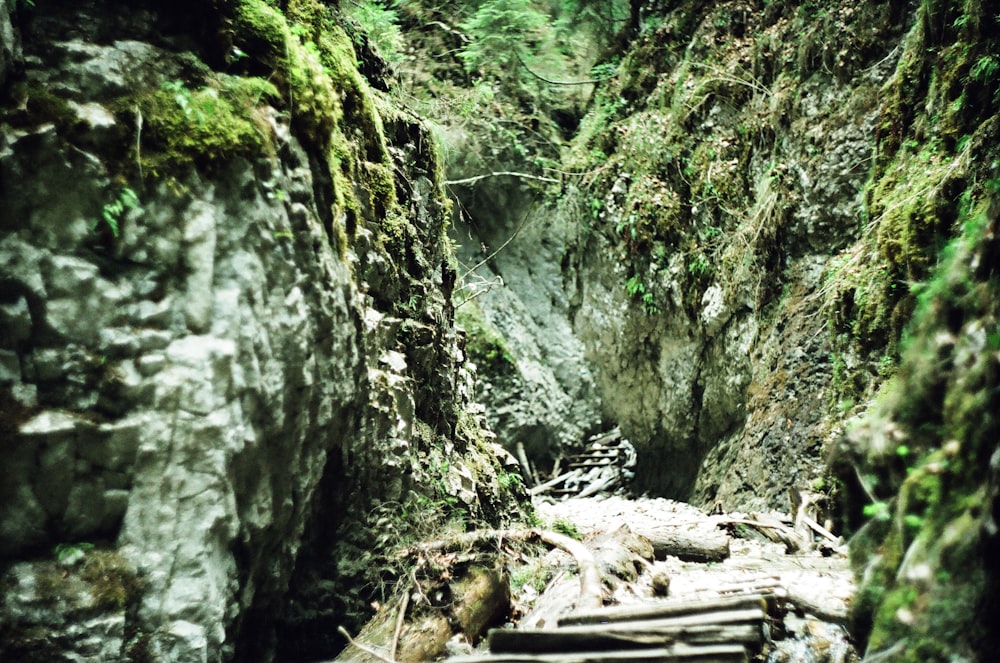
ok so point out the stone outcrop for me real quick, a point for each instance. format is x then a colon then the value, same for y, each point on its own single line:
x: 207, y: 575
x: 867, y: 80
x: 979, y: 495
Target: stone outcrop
x: 541, y: 392
x: 694, y: 239
x: 10, y: 46
x: 208, y: 350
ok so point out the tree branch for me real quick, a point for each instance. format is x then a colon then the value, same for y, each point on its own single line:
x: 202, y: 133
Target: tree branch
x: 498, y: 173
x: 549, y: 80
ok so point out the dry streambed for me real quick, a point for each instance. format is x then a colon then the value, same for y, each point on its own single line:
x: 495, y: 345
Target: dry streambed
x: 648, y: 579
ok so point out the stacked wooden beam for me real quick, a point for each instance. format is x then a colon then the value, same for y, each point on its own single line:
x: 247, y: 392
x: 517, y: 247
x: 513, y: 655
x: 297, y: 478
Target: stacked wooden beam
x: 718, y: 630
x: 605, y: 463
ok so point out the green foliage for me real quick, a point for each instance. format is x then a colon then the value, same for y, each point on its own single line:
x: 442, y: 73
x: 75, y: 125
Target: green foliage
x: 567, y: 527
x: 485, y: 346
x: 381, y: 24
x: 75, y: 551
x: 698, y: 265
x: 878, y: 511
x: 112, y: 213
x: 637, y: 290
x: 501, y: 32
x: 535, y: 574
x: 985, y: 69
x: 184, y: 125
x: 510, y: 481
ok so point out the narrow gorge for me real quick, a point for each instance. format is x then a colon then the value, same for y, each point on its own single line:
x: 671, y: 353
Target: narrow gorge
x: 295, y: 292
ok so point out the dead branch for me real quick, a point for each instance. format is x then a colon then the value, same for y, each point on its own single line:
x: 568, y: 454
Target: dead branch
x: 400, y: 618
x: 500, y: 173
x: 367, y: 650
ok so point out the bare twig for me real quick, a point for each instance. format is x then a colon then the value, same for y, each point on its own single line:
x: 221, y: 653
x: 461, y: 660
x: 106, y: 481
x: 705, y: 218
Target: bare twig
x: 885, y: 654
x: 138, y: 139
x: 400, y: 618
x: 552, y: 82
x: 499, y: 173
x: 591, y: 595
x: 367, y: 650
x: 492, y: 255
x: 864, y: 485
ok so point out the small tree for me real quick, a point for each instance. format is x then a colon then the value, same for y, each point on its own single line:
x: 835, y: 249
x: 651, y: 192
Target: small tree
x: 502, y: 34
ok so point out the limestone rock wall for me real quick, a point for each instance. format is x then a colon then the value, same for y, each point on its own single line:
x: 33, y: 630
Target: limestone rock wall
x: 212, y: 360
x: 541, y: 392
x: 710, y: 198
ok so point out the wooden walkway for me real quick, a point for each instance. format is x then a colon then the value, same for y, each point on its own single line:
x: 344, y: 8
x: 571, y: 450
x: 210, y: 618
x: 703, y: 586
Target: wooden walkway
x: 720, y: 630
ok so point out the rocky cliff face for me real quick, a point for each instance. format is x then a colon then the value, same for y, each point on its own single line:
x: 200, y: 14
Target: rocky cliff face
x: 225, y: 328
x: 702, y: 206
x: 776, y: 230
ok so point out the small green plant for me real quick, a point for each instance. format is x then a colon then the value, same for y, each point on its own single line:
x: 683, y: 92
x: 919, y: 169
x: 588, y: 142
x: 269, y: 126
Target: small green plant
x: 634, y: 286
x: 567, y: 527
x: 184, y: 98
x: 113, y: 212
x: 877, y: 511
x: 603, y: 71
x: 985, y: 69
x: 71, y: 551
x: 636, y: 289
x: 510, y: 481
x: 535, y: 574
x: 698, y: 265
x: 381, y: 25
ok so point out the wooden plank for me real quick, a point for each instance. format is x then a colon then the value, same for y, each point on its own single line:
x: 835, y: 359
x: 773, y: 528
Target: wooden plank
x: 592, y: 462
x: 666, y: 609
x: 634, y: 635
x: 678, y: 653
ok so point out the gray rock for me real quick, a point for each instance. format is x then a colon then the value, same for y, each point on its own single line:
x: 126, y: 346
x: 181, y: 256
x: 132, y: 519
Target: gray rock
x: 10, y: 367
x: 15, y: 322
x: 217, y: 348
x: 10, y: 43
x: 199, y: 240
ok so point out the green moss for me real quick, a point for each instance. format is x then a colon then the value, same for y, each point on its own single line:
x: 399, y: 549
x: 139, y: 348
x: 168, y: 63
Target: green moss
x: 484, y: 346
x: 940, y: 404
x: 261, y: 31
x: 113, y: 581
x: 184, y: 126
x: 110, y: 582
x: 381, y: 184
x: 39, y: 106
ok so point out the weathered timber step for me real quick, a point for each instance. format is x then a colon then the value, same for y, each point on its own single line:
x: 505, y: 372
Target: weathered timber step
x: 592, y: 463
x: 758, y: 603
x: 717, y: 630
x: 735, y: 626
x: 676, y: 653
x: 602, y: 452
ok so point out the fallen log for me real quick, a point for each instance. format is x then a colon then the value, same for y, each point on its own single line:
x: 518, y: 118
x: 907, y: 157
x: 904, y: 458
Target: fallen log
x: 677, y: 653
x: 526, y: 470
x: 698, y: 544
x: 621, y: 554
x: 665, y: 609
x: 552, y: 483
x: 598, y: 486
x: 771, y: 530
x: 825, y: 608
x: 591, y: 595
